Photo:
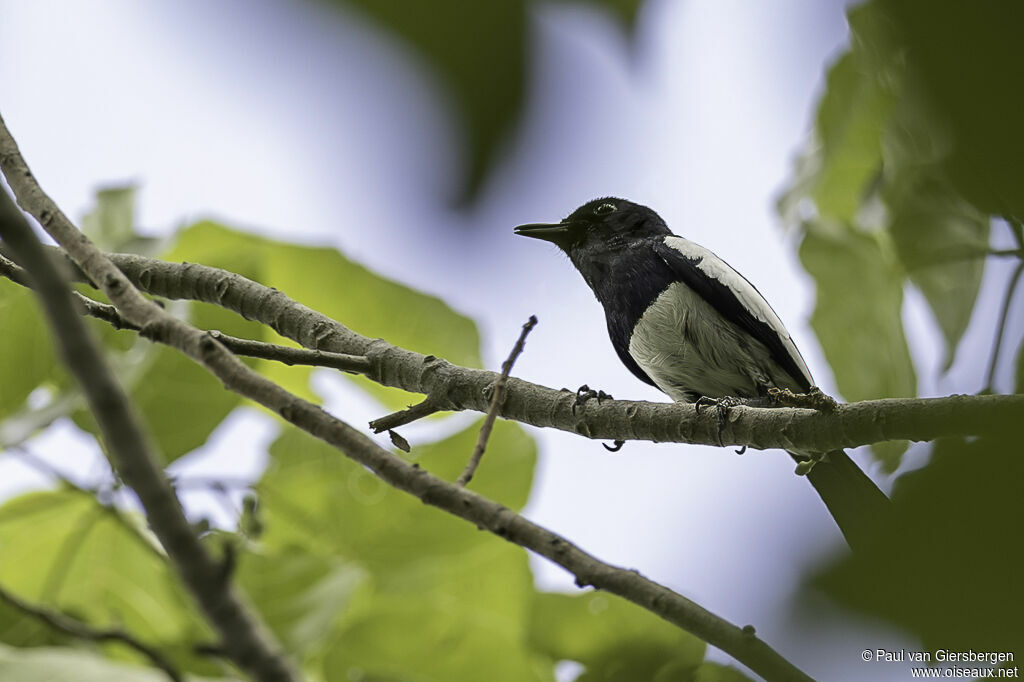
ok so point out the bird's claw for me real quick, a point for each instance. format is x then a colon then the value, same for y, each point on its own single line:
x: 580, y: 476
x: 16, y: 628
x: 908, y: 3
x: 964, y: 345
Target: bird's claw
x: 585, y: 393
x: 615, y: 447
x: 814, y: 399
x: 722, y: 406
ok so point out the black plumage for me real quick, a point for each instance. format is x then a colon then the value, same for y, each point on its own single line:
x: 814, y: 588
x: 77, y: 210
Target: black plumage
x: 683, y: 320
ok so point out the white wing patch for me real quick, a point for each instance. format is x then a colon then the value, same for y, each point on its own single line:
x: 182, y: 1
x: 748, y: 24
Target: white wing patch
x: 751, y: 299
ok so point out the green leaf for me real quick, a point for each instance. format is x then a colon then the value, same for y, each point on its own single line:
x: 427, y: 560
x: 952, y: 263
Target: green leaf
x: 299, y: 595
x: 326, y: 281
x: 715, y: 672
x: 973, y: 89
x: 433, y: 582
x: 477, y: 50
x: 64, y: 551
x: 851, y: 121
x: 316, y: 497
x: 26, y: 352
x: 179, y: 401
x: 467, y: 605
x: 932, y: 228
x: 62, y: 664
x: 614, y: 640
x: 111, y: 223
x: 858, y: 318
x: 947, y: 567
x: 857, y: 315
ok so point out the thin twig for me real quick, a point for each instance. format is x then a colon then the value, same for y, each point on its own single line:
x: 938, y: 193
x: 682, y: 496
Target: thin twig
x: 403, y: 417
x: 1017, y: 228
x: 81, y: 630
x: 994, y: 362
x: 497, y: 399
x: 355, y: 364
x: 287, y: 355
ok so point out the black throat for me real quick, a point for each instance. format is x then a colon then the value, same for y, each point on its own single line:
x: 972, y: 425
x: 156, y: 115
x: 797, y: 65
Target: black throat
x: 626, y: 276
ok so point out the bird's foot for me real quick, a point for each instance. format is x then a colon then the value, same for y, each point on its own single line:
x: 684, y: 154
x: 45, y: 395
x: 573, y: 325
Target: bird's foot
x: 722, y: 407
x: 585, y: 393
x: 815, y: 399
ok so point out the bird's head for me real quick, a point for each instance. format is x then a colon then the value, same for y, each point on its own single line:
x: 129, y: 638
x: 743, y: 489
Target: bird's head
x: 600, y: 224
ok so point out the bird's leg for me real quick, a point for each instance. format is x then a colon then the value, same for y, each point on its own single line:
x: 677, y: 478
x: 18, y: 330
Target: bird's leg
x: 815, y: 399
x: 585, y: 393
x: 722, y: 407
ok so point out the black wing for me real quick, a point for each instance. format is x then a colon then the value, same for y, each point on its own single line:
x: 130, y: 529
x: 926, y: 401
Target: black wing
x: 736, y: 299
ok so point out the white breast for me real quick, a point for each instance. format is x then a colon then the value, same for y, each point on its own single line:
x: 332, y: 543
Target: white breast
x: 688, y: 349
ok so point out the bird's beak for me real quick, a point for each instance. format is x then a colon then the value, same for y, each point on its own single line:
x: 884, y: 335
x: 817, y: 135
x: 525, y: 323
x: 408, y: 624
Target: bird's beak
x: 549, y: 232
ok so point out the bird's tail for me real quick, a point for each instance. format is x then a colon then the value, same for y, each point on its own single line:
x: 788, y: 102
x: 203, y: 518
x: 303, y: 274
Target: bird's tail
x: 855, y: 502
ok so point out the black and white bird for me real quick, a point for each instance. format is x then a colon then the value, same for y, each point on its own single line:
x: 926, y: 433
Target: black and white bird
x: 681, y: 319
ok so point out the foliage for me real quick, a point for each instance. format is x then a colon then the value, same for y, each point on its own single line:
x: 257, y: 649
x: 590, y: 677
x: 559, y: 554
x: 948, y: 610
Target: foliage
x: 909, y: 164
x: 888, y: 191
x: 479, y: 52
x: 358, y: 580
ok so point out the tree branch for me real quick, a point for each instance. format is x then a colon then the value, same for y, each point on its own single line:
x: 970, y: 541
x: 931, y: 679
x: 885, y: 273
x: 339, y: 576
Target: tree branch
x: 451, y: 387
x: 741, y: 644
x: 247, y: 347
x: 246, y: 640
x: 80, y: 630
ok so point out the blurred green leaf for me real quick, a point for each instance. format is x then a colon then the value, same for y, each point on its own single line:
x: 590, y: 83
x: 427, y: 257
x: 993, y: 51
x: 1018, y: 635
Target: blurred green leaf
x: 26, y: 355
x: 613, y: 639
x: 948, y: 569
x: 300, y: 595
x: 851, y: 120
x: 433, y: 582
x: 316, y: 497
x: 111, y: 222
x: 715, y: 672
x: 180, y: 402
x: 61, y: 664
x: 64, y: 551
x: 323, y: 279
x: 880, y: 192
x: 479, y: 51
x: 443, y: 621
x: 932, y: 230
x: 862, y: 333
x: 966, y: 60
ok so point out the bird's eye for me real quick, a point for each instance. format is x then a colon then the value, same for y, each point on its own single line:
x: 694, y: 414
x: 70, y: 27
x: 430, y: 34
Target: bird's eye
x: 604, y: 209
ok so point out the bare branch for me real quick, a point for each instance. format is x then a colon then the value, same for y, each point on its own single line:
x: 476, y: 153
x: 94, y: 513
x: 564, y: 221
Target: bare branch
x: 497, y: 399
x: 403, y: 417
x: 247, y: 641
x: 81, y: 630
x: 451, y: 387
x: 247, y: 347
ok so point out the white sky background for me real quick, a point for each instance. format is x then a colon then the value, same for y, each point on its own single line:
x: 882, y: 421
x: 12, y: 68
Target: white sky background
x: 301, y: 123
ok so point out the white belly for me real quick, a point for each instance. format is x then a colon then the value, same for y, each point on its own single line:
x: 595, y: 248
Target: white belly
x: 687, y: 348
